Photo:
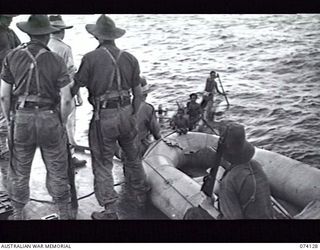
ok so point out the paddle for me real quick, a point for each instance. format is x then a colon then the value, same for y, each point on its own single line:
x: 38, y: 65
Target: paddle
x: 207, y: 124
x: 224, y: 93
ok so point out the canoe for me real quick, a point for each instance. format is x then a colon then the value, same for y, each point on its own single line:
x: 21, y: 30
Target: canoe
x: 175, y: 167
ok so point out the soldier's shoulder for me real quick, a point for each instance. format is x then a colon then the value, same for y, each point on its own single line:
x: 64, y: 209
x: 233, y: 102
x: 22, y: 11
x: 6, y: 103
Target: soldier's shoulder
x: 130, y: 56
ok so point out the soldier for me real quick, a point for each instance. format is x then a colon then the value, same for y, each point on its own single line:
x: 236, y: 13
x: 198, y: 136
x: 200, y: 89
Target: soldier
x: 147, y: 125
x: 35, y: 82
x: 147, y: 120
x: 109, y: 74
x: 8, y: 41
x: 57, y: 45
x: 244, y: 190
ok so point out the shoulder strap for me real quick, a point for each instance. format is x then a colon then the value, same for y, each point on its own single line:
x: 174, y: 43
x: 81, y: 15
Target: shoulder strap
x: 253, y: 196
x: 33, y: 65
x: 115, y: 70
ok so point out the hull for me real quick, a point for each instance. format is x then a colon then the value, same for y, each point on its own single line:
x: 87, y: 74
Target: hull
x: 174, y: 191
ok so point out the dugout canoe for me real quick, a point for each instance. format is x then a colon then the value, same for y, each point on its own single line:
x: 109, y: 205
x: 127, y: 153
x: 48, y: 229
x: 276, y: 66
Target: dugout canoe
x: 176, y: 164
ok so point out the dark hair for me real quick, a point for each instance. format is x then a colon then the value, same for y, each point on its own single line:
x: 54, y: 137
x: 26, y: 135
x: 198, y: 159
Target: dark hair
x: 193, y: 94
x: 212, y: 72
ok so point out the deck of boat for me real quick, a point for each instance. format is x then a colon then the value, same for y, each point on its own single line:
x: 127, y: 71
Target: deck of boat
x: 127, y: 210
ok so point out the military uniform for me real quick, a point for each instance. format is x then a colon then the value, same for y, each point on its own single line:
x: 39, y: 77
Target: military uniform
x: 244, y: 190
x: 109, y: 74
x: 57, y: 45
x: 245, y: 193
x: 37, y: 75
x: 8, y: 41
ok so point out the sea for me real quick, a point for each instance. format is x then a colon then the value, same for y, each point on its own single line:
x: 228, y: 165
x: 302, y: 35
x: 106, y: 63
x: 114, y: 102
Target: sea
x: 269, y: 66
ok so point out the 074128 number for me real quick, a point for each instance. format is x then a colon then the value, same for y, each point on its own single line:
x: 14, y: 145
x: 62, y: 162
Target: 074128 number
x: 309, y: 245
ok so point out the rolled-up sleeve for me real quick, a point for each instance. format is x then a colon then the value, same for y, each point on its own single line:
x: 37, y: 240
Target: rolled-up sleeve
x: 136, y: 74
x: 63, y: 77
x: 70, y: 63
x: 6, y: 73
x: 81, y: 78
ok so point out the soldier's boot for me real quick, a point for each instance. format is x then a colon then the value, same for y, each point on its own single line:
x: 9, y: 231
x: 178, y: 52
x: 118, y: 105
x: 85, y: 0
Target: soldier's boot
x: 64, y: 210
x: 17, y: 213
x: 109, y: 213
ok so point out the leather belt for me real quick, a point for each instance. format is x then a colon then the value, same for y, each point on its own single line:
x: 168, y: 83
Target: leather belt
x: 34, y: 105
x: 114, y: 104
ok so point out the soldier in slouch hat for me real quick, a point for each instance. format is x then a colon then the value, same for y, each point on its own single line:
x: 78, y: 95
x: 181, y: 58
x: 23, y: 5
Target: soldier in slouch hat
x: 8, y: 41
x: 244, y: 191
x: 56, y: 44
x: 36, y: 88
x: 111, y: 75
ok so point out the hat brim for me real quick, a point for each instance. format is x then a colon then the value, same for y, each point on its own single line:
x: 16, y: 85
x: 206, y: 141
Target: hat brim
x: 62, y: 27
x: 116, y: 33
x: 25, y: 27
x: 243, y: 155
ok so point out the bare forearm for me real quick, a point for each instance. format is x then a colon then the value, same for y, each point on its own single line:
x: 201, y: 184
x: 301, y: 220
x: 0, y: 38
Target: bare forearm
x: 6, y: 105
x: 136, y: 102
x: 66, y: 107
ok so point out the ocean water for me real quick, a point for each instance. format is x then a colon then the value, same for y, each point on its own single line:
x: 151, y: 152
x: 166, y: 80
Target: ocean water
x: 268, y: 64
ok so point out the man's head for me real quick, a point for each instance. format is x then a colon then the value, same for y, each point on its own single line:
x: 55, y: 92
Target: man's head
x: 57, y: 22
x: 213, y: 74
x: 105, y: 29
x: 193, y: 97
x: 236, y: 149
x: 37, y: 27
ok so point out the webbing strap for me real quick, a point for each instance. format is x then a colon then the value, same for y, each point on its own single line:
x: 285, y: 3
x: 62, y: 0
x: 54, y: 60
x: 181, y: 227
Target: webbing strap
x: 253, y: 196
x: 115, y: 70
x: 33, y: 65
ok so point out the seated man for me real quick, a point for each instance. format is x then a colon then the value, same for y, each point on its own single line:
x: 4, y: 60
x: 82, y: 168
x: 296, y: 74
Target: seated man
x: 194, y: 111
x: 244, y: 191
x: 179, y: 122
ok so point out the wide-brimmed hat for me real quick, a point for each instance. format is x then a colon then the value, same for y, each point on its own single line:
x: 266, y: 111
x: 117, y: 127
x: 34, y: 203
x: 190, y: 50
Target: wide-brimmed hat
x: 239, y: 150
x: 105, y: 29
x: 57, y: 22
x: 37, y: 25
